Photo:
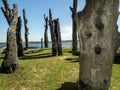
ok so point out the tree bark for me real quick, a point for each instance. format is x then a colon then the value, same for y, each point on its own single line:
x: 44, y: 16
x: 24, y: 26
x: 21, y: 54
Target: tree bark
x: 7, y: 11
x: 10, y: 62
x: 74, y: 25
x: 26, y: 29
x: 58, y: 36
x: 53, y: 37
x: 9, y: 16
x: 18, y: 37
x: 45, y: 34
x: 99, y: 40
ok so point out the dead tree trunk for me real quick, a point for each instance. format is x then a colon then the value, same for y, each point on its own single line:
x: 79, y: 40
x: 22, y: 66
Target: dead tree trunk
x: 7, y: 11
x: 74, y: 25
x: 18, y: 37
x: 41, y: 42
x: 26, y: 29
x: 45, y: 34
x: 99, y: 40
x: 53, y: 39
x: 10, y: 62
x: 9, y: 15
x: 58, y: 36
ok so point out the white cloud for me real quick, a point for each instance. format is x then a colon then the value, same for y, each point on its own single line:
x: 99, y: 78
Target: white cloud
x: 66, y: 32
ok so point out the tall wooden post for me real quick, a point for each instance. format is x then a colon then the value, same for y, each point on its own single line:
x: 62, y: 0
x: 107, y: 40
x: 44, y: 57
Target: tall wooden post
x: 58, y: 36
x: 26, y: 29
x: 45, y: 34
x: 18, y: 37
x: 74, y: 25
x: 53, y: 37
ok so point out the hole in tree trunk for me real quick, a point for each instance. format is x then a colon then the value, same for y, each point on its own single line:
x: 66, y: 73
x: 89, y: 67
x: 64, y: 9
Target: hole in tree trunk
x: 98, y: 49
x: 99, y: 24
x: 88, y: 34
x: 105, y: 82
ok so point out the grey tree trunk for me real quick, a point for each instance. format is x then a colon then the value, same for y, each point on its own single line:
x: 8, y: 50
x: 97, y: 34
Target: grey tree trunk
x: 45, y: 34
x: 41, y: 42
x: 74, y: 25
x: 58, y: 36
x: 18, y: 37
x: 53, y: 37
x: 99, y: 38
x: 10, y: 62
x: 9, y: 15
x: 26, y: 29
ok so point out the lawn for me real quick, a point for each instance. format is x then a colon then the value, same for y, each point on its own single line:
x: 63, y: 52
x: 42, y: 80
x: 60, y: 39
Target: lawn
x: 42, y: 71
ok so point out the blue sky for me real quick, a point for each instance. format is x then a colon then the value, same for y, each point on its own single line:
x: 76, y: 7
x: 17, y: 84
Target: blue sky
x: 35, y: 11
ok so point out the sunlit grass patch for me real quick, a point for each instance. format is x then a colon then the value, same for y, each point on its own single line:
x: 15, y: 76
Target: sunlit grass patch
x: 42, y: 71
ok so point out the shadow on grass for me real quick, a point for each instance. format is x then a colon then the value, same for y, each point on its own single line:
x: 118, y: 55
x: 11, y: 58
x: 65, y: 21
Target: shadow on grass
x: 45, y: 55
x: 0, y: 70
x: 68, y: 86
x: 75, y: 53
x: 73, y: 60
x: 1, y: 57
x: 117, y: 58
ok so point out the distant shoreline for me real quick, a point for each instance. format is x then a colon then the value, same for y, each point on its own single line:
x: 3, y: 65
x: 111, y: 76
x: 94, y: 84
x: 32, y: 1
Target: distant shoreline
x: 39, y: 41
x: 65, y: 43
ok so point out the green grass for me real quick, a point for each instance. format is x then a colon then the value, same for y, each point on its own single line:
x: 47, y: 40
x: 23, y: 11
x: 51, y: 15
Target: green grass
x: 42, y: 71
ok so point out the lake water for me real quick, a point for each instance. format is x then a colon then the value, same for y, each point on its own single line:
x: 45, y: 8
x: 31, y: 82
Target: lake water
x: 66, y: 44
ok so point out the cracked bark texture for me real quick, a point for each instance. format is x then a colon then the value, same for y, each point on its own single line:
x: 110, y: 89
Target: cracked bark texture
x: 10, y: 62
x: 99, y: 38
x: 9, y: 16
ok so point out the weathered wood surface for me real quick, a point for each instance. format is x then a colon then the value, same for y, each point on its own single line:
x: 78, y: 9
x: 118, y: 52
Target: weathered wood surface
x: 10, y: 61
x: 8, y: 13
x: 99, y: 38
x: 58, y: 36
x: 55, y: 35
